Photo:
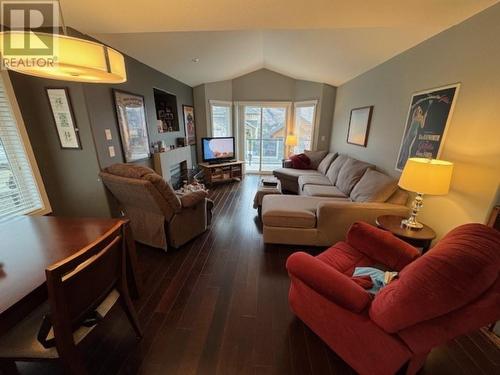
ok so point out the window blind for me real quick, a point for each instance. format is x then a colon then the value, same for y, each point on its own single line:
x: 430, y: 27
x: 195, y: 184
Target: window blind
x: 19, y: 192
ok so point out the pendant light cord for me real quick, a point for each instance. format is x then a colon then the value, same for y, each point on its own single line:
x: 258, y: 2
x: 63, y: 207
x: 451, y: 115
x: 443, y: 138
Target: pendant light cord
x: 63, y: 24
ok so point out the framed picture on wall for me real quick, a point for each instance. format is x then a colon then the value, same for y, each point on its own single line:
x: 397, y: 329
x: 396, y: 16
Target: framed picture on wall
x: 428, y: 118
x: 359, y: 126
x: 131, y: 115
x: 64, y: 120
x: 189, y: 124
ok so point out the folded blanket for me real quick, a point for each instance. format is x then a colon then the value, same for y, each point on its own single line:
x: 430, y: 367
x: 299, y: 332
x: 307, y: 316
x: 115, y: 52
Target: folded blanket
x: 378, y: 278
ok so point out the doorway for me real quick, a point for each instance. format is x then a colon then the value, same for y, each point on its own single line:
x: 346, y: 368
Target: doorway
x: 264, y: 129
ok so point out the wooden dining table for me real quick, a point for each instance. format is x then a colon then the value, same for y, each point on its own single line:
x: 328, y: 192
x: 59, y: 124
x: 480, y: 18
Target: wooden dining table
x: 29, y: 244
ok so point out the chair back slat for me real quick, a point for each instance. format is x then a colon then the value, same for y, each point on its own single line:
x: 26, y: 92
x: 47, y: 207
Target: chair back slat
x: 79, y: 284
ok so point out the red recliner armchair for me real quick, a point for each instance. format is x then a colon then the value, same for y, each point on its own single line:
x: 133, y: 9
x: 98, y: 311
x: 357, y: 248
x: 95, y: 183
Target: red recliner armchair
x: 451, y: 290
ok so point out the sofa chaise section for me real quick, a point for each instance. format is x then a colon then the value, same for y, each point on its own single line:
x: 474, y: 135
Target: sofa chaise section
x: 316, y: 221
x: 351, y: 190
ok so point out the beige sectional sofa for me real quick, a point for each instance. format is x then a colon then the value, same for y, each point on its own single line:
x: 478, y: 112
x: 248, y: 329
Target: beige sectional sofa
x: 340, y: 191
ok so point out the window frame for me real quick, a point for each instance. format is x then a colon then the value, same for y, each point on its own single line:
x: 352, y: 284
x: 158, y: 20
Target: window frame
x: 28, y: 150
x: 221, y: 103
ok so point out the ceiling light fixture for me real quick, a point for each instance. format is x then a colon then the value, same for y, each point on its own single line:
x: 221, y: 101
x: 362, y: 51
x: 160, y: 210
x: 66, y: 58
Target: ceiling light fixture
x: 74, y: 59
x: 195, y: 59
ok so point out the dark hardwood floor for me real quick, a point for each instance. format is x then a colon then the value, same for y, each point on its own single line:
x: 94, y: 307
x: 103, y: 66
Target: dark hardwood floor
x: 219, y: 306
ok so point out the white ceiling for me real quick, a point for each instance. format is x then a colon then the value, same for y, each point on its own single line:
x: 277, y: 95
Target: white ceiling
x: 328, y: 41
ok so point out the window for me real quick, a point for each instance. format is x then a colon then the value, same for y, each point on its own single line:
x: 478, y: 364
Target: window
x: 222, y: 118
x: 304, y: 124
x: 20, y: 190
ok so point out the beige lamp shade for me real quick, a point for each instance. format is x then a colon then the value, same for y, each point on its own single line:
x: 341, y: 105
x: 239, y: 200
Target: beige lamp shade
x: 77, y: 59
x: 426, y: 176
x: 291, y: 140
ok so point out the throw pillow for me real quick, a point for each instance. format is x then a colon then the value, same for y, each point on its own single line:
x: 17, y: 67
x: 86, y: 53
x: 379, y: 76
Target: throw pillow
x: 334, y: 169
x: 316, y: 157
x: 350, y: 173
x: 326, y: 162
x: 374, y: 186
x: 300, y: 161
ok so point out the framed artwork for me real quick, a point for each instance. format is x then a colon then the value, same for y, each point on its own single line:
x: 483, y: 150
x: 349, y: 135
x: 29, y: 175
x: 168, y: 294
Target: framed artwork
x: 131, y: 115
x: 359, y: 126
x: 64, y: 120
x: 166, y: 111
x: 426, y: 124
x: 189, y: 124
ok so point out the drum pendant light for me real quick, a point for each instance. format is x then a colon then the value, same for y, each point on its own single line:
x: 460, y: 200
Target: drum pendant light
x: 74, y: 59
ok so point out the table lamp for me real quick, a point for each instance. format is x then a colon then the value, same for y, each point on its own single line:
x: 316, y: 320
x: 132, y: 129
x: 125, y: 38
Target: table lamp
x: 424, y: 176
x: 291, y: 141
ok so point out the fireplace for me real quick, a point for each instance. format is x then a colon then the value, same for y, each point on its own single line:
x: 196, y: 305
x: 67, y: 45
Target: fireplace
x: 174, y: 165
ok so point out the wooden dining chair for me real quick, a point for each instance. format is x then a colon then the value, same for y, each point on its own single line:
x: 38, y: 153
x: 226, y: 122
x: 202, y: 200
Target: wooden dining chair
x: 82, y: 289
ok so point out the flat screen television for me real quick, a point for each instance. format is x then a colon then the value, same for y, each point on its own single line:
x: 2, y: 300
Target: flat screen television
x: 217, y: 150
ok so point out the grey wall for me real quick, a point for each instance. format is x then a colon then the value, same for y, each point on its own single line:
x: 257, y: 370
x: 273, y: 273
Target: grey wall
x: 71, y: 176
x: 263, y: 85
x: 266, y: 85
x: 141, y: 79
x: 201, y: 116
x: 468, y: 53
x: 202, y: 94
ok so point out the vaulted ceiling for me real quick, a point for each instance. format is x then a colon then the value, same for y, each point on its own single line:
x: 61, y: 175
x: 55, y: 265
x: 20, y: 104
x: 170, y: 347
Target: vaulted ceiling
x: 328, y: 41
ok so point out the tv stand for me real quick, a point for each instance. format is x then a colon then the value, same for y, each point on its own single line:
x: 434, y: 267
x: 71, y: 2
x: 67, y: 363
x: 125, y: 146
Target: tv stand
x: 218, y: 162
x: 222, y: 172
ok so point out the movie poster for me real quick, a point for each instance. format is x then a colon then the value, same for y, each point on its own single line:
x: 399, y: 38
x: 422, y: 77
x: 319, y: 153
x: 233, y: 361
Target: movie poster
x: 189, y: 124
x: 428, y: 118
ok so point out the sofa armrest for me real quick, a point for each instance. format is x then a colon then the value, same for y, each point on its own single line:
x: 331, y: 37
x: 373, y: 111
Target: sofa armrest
x: 328, y: 282
x: 336, y: 217
x: 381, y: 246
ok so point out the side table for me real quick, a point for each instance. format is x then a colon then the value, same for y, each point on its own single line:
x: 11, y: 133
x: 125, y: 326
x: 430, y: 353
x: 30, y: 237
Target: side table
x: 420, y: 238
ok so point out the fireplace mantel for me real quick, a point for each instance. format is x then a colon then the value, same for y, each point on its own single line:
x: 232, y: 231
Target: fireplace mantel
x: 164, y: 162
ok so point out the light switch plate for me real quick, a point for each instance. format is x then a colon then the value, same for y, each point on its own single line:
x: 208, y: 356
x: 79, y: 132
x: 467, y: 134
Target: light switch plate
x: 107, y: 132
x: 111, y: 150
x: 323, y: 137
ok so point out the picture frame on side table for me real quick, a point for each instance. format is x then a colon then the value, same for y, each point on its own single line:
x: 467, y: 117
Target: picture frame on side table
x: 189, y: 124
x: 131, y: 117
x: 359, y: 126
x: 427, y: 122
x: 64, y: 119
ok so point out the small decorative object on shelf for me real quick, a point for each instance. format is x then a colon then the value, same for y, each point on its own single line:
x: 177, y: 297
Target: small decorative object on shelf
x: 424, y: 176
x: 180, y: 142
